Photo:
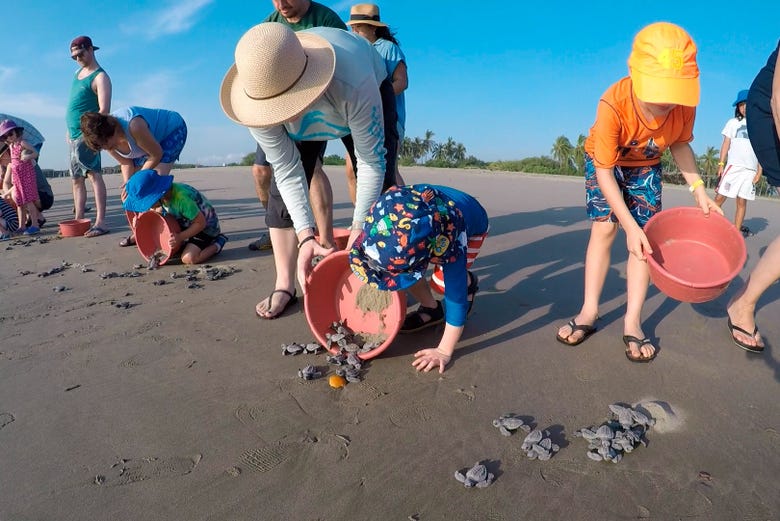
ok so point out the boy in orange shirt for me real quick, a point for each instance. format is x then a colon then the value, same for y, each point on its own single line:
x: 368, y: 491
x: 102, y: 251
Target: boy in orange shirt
x: 637, y: 118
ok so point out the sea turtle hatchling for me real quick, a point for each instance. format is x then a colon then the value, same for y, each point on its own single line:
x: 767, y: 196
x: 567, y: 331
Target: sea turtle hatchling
x: 535, y: 436
x: 309, y: 372
x: 477, y: 476
x: 508, y: 423
x: 292, y: 348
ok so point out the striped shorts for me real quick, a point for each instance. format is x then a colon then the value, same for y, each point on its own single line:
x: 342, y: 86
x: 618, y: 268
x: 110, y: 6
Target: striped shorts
x: 474, y: 245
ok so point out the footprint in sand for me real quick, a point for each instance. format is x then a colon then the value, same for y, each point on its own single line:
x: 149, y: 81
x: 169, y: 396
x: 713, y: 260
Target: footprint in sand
x: 6, y: 418
x: 128, y: 471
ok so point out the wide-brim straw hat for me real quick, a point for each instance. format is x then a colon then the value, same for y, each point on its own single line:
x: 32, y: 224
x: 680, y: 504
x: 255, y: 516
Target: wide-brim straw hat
x: 365, y: 14
x: 277, y: 76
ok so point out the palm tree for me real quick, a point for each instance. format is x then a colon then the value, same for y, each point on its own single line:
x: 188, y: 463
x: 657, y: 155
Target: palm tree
x: 563, y: 152
x: 428, y: 145
x: 708, y: 161
x: 579, y: 155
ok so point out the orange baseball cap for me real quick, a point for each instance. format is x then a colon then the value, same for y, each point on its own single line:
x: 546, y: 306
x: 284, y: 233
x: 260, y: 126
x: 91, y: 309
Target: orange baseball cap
x: 663, y: 66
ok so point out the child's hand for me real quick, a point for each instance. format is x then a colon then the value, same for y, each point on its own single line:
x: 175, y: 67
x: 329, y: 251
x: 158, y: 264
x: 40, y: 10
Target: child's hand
x: 427, y: 359
x: 174, y: 241
x: 637, y: 243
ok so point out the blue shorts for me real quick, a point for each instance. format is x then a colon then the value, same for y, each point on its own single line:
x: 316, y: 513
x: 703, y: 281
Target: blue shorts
x: 171, y: 145
x: 641, y: 188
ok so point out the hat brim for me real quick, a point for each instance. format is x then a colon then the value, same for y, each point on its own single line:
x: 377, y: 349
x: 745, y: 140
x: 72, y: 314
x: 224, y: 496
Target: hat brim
x: 142, y: 204
x: 380, y: 279
x: 320, y: 66
x: 677, y: 91
x: 375, y: 23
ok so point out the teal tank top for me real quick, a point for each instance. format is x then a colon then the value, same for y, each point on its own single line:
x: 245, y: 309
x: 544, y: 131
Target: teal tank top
x: 82, y: 99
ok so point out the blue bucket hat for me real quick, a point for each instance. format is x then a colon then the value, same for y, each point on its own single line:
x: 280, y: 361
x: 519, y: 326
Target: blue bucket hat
x: 145, y: 188
x: 407, y: 228
x: 742, y: 96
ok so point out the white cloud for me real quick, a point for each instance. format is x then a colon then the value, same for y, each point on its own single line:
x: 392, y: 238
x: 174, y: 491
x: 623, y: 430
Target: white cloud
x: 173, y: 18
x: 150, y: 90
x: 31, y: 104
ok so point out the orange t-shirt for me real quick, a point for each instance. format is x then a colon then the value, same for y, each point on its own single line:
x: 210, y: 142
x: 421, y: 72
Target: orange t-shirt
x: 621, y: 136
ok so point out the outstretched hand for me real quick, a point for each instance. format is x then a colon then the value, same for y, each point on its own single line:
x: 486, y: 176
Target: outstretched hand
x: 705, y: 203
x: 427, y: 359
x: 306, y: 254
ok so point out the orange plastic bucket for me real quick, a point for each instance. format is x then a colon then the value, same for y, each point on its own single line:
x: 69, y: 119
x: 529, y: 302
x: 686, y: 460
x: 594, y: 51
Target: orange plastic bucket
x: 74, y: 227
x: 153, y: 232
x: 694, y: 257
x: 331, y: 295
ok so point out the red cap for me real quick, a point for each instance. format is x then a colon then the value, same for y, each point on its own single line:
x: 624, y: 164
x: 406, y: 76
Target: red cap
x: 82, y: 42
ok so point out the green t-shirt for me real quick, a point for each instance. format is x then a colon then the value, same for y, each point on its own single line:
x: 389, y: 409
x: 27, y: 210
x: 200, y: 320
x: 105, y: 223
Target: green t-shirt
x: 186, y: 203
x: 318, y: 15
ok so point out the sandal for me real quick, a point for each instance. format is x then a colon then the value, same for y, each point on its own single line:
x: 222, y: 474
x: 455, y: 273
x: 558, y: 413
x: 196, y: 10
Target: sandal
x: 471, y: 292
x: 292, y: 300
x: 743, y: 345
x: 587, y: 330
x: 127, y: 241
x: 629, y: 339
x: 415, y: 322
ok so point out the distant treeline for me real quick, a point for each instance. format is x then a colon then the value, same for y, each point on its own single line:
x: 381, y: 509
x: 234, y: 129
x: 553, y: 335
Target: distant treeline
x: 48, y: 172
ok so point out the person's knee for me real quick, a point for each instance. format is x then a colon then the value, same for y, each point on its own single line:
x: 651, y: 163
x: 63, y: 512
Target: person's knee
x: 78, y: 181
x: 189, y: 258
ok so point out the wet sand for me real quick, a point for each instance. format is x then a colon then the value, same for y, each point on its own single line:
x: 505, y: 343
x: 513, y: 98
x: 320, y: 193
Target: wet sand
x: 180, y: 406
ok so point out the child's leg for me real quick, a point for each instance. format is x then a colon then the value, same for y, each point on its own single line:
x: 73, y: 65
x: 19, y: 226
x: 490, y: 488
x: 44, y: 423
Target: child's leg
x: 597, y: 260
x: 193, y: 254
x: 637, y: 282
x: 739, y: 215
x: 422, y: 294
x: 21, y: 213
x: 720, y: 199
x: 33, y: 212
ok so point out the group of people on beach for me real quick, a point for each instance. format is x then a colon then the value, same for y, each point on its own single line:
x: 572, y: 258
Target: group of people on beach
x: 300, y: 79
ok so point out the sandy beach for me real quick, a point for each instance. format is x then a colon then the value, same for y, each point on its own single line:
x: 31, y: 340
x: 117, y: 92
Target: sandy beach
x: 121, y: 399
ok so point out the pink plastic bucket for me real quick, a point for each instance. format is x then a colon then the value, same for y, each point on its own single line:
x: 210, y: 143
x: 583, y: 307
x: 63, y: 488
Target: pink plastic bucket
x: 331, y: 295
x: 694, y: 257
x: 153, y: 233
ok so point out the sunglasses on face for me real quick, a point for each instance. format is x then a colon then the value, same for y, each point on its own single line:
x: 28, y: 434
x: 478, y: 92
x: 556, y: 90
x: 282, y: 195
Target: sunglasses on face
x: 78, y: 55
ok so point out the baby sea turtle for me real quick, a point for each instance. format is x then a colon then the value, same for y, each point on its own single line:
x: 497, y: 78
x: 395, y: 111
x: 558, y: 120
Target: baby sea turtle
x: 309, y: 372
x: 616, y: 437
x: 477, y: 476
x: 508, y: 423
x: 292, y: 349
x: 155, y: 259
x: 59, y: 289
x: 312, y: 348
x: 535, y: 436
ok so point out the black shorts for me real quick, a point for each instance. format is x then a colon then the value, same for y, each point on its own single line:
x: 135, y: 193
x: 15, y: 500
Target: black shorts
x: 201, y: 240
x: 390, y: 114
x: 260, y: 159
x: 763, y: 136
x: 276, y: 215
x: 47, y: 200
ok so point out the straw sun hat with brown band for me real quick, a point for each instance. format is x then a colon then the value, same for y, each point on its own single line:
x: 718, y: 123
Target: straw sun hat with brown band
x: 277, y: 76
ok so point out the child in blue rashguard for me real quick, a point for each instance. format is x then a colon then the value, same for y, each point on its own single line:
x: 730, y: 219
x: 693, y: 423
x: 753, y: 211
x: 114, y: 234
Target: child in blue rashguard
x: 410, y: 227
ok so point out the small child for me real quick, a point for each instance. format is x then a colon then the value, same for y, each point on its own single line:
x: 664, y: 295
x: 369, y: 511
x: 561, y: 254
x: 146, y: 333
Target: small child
x: 200, y: 233
x: 739, y: 173
x: 408, y: 228
x: 9, y: 222
x: 23, y: 175
x: 637, y: 119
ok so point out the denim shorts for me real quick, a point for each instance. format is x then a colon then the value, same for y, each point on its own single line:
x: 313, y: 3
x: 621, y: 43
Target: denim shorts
x: 82, y: 158
x: 640, y: 186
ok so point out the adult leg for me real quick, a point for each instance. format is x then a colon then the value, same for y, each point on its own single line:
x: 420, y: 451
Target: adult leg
x: 597, y: 260
x: 99, y: 191
x: 742, y: 308
x: 79, y: 196
x: 262, y: 177
x: 285, y: 256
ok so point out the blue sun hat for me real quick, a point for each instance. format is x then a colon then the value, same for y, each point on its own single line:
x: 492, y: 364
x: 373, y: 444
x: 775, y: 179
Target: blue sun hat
x: 407, y: 228
x: 145, y: 188
x: 742, y: 96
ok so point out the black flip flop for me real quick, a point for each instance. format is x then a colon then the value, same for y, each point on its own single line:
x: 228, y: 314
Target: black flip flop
x: 414, y: 321
x: 472, y: 290
x: 585, y: 328
x: 628, y: 339
x: 293, y: 299
x: 743, y: 345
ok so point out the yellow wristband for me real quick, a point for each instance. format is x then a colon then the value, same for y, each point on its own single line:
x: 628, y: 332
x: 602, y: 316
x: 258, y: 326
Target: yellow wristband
x: 695, y: 185
x: 721, y: 163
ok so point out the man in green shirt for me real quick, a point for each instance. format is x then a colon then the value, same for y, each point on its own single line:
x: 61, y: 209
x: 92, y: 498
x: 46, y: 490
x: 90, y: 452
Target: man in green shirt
x: 298, y: 15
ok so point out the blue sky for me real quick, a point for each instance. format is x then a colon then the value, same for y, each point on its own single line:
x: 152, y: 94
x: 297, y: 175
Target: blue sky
x: 505, y: 83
